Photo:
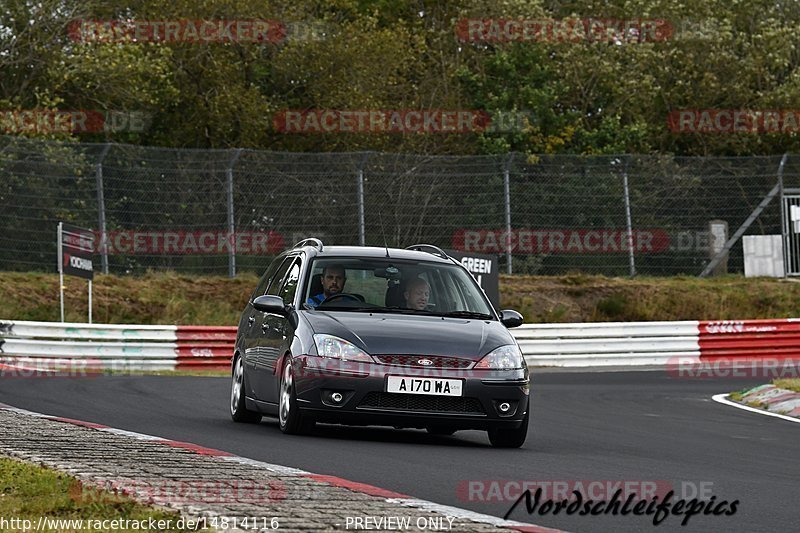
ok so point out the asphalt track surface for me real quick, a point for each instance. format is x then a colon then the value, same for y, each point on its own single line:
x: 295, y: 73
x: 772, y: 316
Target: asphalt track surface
x: 647, y: 426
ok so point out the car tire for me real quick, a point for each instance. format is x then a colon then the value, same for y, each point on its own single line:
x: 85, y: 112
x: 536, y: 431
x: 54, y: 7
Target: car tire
x: 290, y: 419
x: 443, y: 432
x: 239, y: 410
x: 510, y: 438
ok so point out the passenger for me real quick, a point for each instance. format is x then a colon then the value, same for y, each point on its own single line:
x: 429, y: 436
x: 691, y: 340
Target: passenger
x: 417, y: 294
x: 333, y: 280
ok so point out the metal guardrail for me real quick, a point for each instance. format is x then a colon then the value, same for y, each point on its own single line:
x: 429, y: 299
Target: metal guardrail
x: 77, y: 346
x: 133, y: 347
x: 751, y: 339
x: 608, y: 343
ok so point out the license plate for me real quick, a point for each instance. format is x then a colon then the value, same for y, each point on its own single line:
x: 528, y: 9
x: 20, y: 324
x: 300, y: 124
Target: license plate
x: 431, y: 386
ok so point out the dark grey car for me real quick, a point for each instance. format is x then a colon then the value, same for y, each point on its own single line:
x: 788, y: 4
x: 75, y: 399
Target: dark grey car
x: 405, y: 338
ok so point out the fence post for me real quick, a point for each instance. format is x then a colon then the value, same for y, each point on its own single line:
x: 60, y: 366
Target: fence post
x: 362, y: 228
x: 101, y: 209
x: 628, y: 221
x: 231, y: 223
x: 785, y: 220
x: 507, y: 201
x: 746, y: 224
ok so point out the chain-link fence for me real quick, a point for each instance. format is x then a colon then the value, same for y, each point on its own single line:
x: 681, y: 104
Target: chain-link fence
x: 222, y: 211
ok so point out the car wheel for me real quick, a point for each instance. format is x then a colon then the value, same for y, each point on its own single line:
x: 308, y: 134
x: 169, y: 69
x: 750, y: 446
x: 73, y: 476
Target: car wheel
x: 440, y: 431
x: 239, y: 412
x: 291, y: 420
x: 510, y: 438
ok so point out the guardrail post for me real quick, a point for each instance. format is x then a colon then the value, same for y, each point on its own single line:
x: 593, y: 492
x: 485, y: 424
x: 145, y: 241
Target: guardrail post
x: 101, y: 210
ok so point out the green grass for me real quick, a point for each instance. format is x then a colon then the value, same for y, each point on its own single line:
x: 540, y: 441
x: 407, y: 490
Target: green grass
x: 158, y: 298
x: 584, y: 298
x: 736, y: 396
x: 789, y: 384
x: 30, y: 492
x: 170, y: 298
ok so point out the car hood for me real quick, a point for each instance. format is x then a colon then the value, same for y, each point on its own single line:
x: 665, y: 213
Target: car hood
x: 388, y: 333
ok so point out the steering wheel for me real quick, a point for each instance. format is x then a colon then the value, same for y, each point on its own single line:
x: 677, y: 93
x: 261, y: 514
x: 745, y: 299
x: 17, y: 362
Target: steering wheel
x: 351, y: 296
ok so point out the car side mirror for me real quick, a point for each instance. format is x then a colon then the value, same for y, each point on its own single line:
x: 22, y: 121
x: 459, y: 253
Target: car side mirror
x: 510, y: 318
x: 269, y: 303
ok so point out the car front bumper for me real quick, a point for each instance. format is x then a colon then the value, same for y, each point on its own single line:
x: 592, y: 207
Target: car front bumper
x: 364, y: 400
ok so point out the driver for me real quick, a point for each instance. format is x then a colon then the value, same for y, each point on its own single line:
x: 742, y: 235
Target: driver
x: 417, y: 294
x: 333, y: 279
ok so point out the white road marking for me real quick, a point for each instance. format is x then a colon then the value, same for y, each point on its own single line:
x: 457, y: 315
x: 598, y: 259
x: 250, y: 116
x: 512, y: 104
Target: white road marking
x: 723, y: 399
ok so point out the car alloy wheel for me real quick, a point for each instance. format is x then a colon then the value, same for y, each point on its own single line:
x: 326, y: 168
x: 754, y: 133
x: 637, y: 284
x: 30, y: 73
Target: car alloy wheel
x: 291, y: 420
x: 286, y: 394
x: 239, y: 411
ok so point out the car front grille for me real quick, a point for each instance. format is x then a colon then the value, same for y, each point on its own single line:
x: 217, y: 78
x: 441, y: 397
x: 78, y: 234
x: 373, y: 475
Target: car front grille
x: 421, y: 403
x: 414, y: 360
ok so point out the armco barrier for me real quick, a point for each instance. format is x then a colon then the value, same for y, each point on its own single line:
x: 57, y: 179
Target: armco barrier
x: 659, y: 343
x: 113, y: 346
x: 609, y: 343
x: 133, y: 347
x: 750, y: 339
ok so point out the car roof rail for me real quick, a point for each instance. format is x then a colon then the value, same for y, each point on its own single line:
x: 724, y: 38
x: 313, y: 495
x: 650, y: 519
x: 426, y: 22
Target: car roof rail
x: 429, y: 248
x: 311, y: 241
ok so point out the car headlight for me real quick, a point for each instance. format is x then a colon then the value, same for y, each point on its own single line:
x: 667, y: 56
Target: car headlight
x: 507, y: 357
x: 336, y: 348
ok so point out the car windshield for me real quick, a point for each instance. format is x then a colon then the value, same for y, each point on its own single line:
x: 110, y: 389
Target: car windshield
x: 394, y: 286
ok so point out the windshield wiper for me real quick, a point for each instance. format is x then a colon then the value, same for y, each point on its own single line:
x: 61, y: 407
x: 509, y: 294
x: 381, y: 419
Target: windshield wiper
x: 466, y: 314
x: 394, y: 309
x: 378, y: 309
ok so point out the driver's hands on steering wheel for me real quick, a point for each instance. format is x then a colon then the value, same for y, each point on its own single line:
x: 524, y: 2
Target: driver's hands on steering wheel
x: 352, y: 296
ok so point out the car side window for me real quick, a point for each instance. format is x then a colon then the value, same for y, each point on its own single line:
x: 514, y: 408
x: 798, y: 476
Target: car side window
x: 275, y: 283
x: 467, y: 297
x: 450, y: 293
x: 263, y: 283
x: 289, y: 287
